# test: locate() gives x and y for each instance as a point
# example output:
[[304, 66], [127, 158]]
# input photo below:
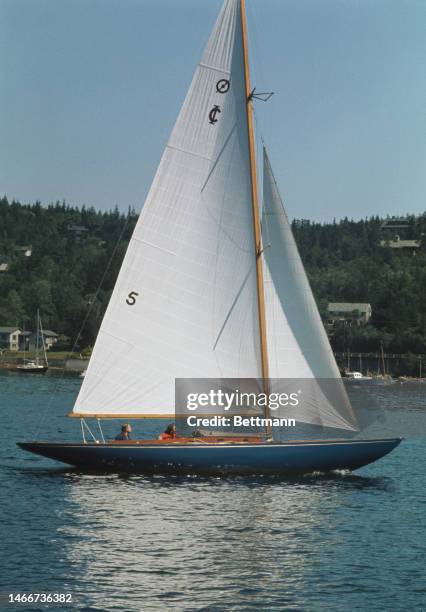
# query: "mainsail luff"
[[256, 213]]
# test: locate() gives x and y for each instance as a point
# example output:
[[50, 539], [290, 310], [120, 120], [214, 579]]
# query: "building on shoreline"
[[14, 339], [348, 313], [50, 338], [10, 338]]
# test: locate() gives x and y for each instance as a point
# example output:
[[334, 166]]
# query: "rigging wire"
[[259, 73], [84, 424]]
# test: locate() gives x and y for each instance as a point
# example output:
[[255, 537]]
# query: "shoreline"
[[79, 367]]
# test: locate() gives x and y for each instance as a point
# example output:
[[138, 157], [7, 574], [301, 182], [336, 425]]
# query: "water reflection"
[[198, 538]]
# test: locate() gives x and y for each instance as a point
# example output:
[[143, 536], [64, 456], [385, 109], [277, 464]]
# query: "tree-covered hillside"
[[76, 254], [346, 263]]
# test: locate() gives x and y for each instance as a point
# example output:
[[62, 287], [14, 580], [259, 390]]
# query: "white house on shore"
[[14, 339], [9, 338]]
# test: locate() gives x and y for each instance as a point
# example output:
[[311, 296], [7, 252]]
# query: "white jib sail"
[[298, 347], [185, 301]]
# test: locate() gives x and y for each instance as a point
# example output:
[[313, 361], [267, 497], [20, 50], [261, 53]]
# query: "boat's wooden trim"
[[256, 212], [201, 440], [169, 416], [101, 415]]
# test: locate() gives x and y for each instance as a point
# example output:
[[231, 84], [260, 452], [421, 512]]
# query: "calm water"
[[341, 542]]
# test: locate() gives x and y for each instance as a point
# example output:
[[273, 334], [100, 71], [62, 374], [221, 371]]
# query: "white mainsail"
[[298, 347], [185, 301], [185, 304]]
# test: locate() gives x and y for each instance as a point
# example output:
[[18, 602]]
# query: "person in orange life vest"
[[169, 433]]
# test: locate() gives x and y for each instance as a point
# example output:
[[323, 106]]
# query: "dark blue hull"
[[215, 459]]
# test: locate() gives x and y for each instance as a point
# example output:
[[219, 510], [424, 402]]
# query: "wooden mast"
[[256, 214]]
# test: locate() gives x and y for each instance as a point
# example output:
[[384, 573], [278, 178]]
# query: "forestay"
[[185, 302], [298, 347]]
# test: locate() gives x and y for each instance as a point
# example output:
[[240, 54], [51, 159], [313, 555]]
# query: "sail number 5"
[[131, 298]]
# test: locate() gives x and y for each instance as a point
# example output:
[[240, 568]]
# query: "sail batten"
[[215, 68], [170, 146]]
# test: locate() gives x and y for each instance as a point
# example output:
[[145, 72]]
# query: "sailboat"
[[211, 286], [354, 375], [35, 366]]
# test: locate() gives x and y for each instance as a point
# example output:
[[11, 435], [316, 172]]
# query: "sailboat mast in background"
[[40, 336], [33, 367]]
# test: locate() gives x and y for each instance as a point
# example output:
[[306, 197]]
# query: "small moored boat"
[[35, 366], [356, 377], [31, 367]]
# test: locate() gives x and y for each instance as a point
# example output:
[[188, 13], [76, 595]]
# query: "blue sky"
[[90, 89]]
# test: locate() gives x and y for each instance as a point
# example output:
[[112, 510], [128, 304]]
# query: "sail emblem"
[[222, 86], [212, 114]]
